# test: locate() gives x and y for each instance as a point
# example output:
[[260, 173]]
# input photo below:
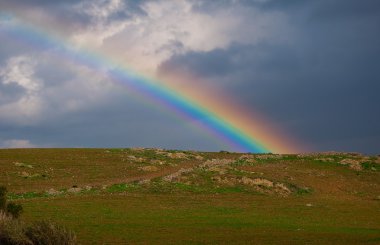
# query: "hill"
[[139, 195]]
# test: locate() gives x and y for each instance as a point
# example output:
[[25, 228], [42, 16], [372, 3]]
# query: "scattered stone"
[[268, 157], [74, 190], [198, 157], [24, 174], [135, 159], [248, 158], [144, 182], [149, 168], [23, 165], [216, 162], [131, 157], [157, 162], [225, 181], [257, 181], [53, 192], [88, 188], [177, 155], [352, 163], [174, 176], [281, 188], [28, 175]]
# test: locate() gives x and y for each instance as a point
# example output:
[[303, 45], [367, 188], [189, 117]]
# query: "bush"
[[12, 231], [3, 197], [14, 209], [9, 208], [46, 233]]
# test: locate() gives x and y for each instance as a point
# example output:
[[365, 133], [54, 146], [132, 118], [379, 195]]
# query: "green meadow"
[[156, 196]]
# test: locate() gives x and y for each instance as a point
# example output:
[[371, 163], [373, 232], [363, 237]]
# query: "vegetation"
[[139, 196], [15, 232]]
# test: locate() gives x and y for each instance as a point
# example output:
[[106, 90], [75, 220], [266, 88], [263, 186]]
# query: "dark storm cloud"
[[322, 85], [122, 122]]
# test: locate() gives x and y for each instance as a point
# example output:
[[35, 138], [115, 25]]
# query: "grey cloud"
[[10, 93], [322, 86]]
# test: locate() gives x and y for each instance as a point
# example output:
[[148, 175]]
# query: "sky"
[[308, 69]]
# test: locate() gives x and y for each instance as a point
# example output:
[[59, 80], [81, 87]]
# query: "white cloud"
[[143, 41], [17, 143], [20, 70], [45, 95]]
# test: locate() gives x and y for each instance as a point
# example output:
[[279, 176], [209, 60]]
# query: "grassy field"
[[140, 196]]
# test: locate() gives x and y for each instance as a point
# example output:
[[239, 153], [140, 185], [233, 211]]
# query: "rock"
[[268, 156], [309, 205], [216, 162], [144, 181], [53, 192], [177, 155], [257, 181], [149, 168], [198, 157], [157, 162], [281, 188], [352, 163], [74, 190], [23, 165], [24, 174], [174, 176], [131, 157]]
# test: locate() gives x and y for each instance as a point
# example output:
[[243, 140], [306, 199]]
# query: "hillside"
[[166, 196]]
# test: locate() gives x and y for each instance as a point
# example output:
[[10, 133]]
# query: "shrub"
[[14, 209], [46, 232], [12, 231], [9, 208], [3, 197]]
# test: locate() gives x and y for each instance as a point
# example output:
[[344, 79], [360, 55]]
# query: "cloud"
[[17, 143], [320, 85], [40, 89], [19, 71], [310, 66]]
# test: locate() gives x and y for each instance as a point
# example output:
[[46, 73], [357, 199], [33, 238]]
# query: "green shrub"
[[14, 209], [46, 233]]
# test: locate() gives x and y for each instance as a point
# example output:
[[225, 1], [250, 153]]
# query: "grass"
[[199, 218], [329, 203]]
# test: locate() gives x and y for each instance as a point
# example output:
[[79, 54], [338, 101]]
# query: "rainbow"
[[225, 121]]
